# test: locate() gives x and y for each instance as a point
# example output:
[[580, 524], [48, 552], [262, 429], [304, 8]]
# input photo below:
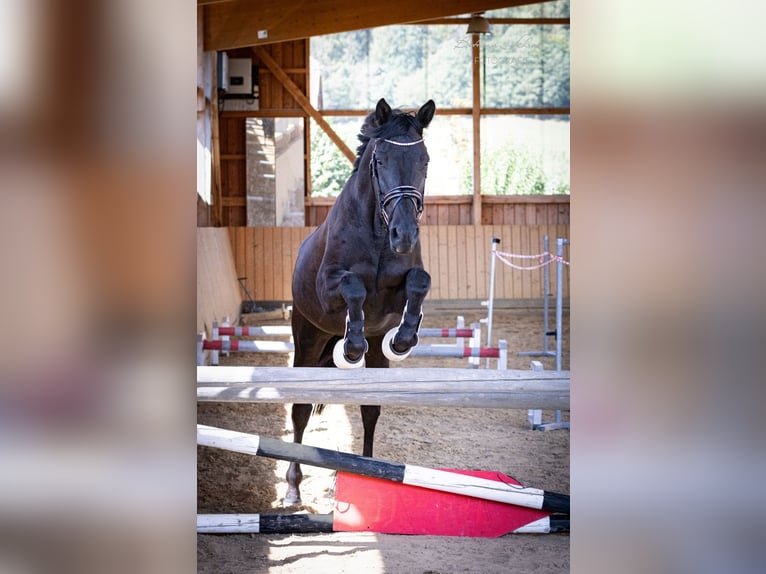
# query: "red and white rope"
[[545, 258]]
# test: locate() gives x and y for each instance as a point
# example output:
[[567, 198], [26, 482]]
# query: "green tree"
[[329, 167]]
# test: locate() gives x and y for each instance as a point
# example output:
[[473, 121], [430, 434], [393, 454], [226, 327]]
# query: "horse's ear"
[[382, 112], [426, 113]]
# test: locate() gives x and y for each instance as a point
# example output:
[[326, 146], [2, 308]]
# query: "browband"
[[404, 143]]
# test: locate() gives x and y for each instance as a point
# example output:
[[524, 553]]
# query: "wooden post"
[[476, 116]]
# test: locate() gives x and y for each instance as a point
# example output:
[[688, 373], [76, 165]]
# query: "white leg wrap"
[[388, 349], [340, 360]]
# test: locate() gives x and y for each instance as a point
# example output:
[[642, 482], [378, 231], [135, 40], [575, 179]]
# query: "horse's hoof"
[[340, 360], [388, 347], [292, 498]]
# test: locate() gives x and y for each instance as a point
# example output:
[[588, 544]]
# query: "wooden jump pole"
[[429, 478], [514, 389]]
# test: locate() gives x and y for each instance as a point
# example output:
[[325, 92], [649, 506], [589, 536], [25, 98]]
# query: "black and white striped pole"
[[433, 479], [313, 523]]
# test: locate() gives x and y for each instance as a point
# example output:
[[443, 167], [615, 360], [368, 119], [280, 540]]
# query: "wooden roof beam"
[[243, 23], [302, 100]]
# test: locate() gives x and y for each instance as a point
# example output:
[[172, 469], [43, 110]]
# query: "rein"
[[395, 194]]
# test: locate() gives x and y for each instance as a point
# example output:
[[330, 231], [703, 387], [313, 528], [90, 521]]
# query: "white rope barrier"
[[544, 258]]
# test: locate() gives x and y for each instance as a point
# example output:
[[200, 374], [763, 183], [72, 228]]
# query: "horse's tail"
[[317, 410]]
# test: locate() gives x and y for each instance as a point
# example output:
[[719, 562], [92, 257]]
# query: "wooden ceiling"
[[230, 24]]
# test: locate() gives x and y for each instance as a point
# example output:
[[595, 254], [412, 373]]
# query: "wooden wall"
[[233, 181], [456, 210], [456, 256], [266, 257], [218, 292]]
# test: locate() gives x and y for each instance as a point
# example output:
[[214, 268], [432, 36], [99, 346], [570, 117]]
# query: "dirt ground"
[[485, 439]]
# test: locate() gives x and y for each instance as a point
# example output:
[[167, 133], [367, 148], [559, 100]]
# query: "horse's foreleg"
[[300, 415], [349, 351], [398, 343]]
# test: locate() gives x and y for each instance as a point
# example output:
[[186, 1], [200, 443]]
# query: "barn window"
[[524, 155], [524, 99]]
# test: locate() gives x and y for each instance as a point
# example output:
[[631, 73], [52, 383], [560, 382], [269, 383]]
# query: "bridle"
[[395, 194]]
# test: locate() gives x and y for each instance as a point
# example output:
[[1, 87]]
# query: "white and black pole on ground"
[[433, 479], [313, 523]]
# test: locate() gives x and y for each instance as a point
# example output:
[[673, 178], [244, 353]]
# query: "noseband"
[[395, 194]]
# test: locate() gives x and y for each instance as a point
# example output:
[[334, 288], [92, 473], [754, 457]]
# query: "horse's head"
[[398, 167]]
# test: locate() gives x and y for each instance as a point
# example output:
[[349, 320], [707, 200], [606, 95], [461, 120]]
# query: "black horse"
[[359, 282]]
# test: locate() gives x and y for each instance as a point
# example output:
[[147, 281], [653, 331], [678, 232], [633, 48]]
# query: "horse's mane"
[[398, 125]]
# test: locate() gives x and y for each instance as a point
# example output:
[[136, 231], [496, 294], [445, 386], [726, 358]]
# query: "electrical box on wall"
[[240, 77], [237, 84]]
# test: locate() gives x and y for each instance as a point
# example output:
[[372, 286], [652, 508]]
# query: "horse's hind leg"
[[370, 414], [398, 342], [300, 415], [309, 352]]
